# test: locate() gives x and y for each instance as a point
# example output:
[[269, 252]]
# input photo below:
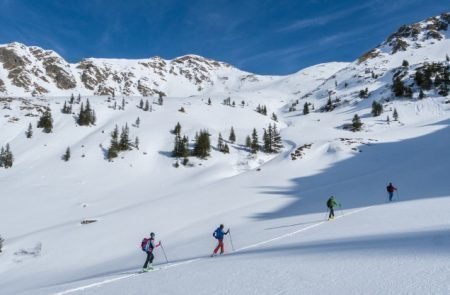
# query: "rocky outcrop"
[[432, 28]]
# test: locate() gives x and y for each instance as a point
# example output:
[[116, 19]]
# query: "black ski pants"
[[331, 212], [149, 259]]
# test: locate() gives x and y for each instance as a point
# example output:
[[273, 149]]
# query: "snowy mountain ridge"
[[33, 71]]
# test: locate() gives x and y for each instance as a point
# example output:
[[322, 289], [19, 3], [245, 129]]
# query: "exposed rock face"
[[433, 28], [35, 71]]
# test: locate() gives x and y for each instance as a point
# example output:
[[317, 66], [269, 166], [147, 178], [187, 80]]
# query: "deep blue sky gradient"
[[261, 36]]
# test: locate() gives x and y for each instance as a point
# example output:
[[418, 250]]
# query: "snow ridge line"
[[199, 259]]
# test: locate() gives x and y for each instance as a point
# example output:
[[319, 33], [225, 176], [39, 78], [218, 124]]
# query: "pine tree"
[[177, 129], [447, 58], [138, 122], [6, 157], [124, 142], [306, 109], [93, 117], [46, 121], [232, 137], [29, 132], [66, 156], [421, 94], [209, 101], [220, 144], [405, 63], [377, 109], [160, 100], [329, 106], [81, 116], [115, 105], [248, 141], [141, 104], [267, 139], [136, 142], [274, 117], [400, 89], [254, 146], [395, 115], [67, 109], [79, 98], [356, 123], [277, 142], [388, 120], [146, 107], [72, 99], [202, 144], [113, 150], [123, 104], [226, 149]]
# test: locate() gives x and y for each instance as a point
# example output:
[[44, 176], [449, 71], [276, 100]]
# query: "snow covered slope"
[[273, 203]]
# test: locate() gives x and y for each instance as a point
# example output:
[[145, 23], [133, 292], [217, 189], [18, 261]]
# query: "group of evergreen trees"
[[202, 145], [434, 74], [399, 88], [222, 146], [120, 142], [364, 93], [146, 107], [87, 115], [46, 121], [377, 108], [6, 157], [67, 108], [262, 109], [306, 108], [272, 142]]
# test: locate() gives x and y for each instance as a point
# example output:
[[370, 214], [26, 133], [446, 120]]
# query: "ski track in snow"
[[104, 282]]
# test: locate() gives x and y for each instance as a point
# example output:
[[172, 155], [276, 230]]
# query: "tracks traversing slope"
[[173, 265]]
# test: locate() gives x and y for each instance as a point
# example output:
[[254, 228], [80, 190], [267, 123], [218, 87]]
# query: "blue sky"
[[261, 36]]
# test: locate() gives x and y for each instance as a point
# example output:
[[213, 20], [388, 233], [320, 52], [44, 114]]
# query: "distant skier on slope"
[[148, 245], [390, 189], [331, 203], [219, 234]]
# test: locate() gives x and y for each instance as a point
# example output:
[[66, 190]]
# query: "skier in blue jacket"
[[219, 233]]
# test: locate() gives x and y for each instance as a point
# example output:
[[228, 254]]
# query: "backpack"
[[330, 203], [144, 244]]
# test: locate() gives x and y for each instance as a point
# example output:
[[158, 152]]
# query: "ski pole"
[[326, 214], [231, 240], [164, 252]]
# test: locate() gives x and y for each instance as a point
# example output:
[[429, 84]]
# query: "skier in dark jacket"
[[391, 189], [219, 234], [331, 203], [148, 245]]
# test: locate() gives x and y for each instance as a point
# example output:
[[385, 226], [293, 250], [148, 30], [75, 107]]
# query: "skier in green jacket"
[[331, 203]]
